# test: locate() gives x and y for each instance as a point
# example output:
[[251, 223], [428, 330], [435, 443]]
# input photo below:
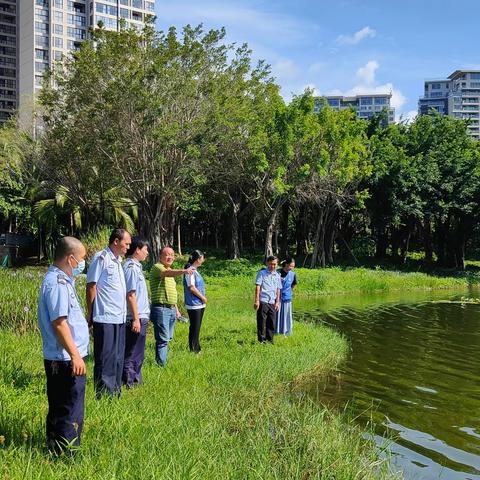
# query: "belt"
[[166, 305]]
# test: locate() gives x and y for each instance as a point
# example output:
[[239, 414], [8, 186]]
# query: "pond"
[[413, 376]]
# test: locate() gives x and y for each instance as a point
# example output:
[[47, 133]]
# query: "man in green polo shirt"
[[164, 311]]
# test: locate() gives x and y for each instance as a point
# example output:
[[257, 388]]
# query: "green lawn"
[[238, 410]]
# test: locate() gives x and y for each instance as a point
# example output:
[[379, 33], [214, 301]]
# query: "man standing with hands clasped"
[[64, 332], [267, 299], [107, 308]]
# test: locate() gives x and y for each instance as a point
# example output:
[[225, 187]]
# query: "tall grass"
[[227, 279], [236, 411]]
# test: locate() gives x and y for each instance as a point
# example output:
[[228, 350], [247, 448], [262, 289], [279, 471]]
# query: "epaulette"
[[61, 279], [131, 265], [103, 255]]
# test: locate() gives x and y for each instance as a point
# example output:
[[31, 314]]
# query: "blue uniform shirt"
[[192, 302], [288, 281], [269, 283], [135, 282], [110, 305], [58, 298]]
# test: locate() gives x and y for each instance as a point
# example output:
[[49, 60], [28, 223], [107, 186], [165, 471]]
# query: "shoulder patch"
[[61, 279]]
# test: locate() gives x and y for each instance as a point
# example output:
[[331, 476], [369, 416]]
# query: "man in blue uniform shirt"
[[267, 299], [107, 309], [64, 332]]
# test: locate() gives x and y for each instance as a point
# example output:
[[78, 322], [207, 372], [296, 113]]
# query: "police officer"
[[107, 308], [64, 333], [138, 312]]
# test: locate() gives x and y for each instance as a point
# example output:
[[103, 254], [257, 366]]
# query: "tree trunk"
[[179, 238], [381, 243], [272, 221], [318, 257], [284, 230], [234, 244], [155, 224], [301, 232], [428, 240]]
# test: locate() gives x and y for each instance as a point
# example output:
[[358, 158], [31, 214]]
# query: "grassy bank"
[[233, 279], [238, 410]]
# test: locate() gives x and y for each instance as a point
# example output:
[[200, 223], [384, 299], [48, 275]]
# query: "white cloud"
[[366, 74], [409, 117], [357, 37], [285, 69], [397, 100], [243, 22], [367, 85], [311, 86], [316, 67]]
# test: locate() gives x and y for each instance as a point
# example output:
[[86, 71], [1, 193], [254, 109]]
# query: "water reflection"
[[414, 371]]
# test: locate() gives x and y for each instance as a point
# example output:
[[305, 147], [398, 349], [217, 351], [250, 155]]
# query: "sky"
[[345, 46]]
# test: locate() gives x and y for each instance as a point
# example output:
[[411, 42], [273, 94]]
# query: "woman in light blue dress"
[[289, 280]]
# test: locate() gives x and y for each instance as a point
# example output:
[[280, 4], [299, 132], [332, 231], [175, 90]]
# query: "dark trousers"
[[134, 353], [195, 317], [66, 405], [109, 352], [266, 320]]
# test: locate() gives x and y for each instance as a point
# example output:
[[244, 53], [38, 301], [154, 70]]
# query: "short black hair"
[[117, 234], [137, 242], [66, 246], [271, 258]]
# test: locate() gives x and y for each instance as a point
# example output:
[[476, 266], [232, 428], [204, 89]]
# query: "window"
[[9, 29], [436, 86], [77, 33], [474, 84], [57, 55], [366, 101], [41, 54], [150, 6], [41, 41], [381, 101], [107, 22], [107, 9], [58, 16], [137, 16], [137, 3], [40, 67], [123, 2], [59, 3], [38, 81], [41, 27], [58, 29], [41, 14], [475, 76], [124, 13], [76, 20], [57, 42]]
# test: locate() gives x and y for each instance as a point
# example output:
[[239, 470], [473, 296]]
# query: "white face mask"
[[79, 268]]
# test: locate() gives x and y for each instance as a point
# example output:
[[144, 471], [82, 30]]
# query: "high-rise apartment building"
[[36, 33], [365, 105], [8, 58], [458, 96]]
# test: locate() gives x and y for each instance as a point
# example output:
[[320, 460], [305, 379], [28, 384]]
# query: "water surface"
[[413, 374]]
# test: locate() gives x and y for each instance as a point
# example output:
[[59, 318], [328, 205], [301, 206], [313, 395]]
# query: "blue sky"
[[345, 46]]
